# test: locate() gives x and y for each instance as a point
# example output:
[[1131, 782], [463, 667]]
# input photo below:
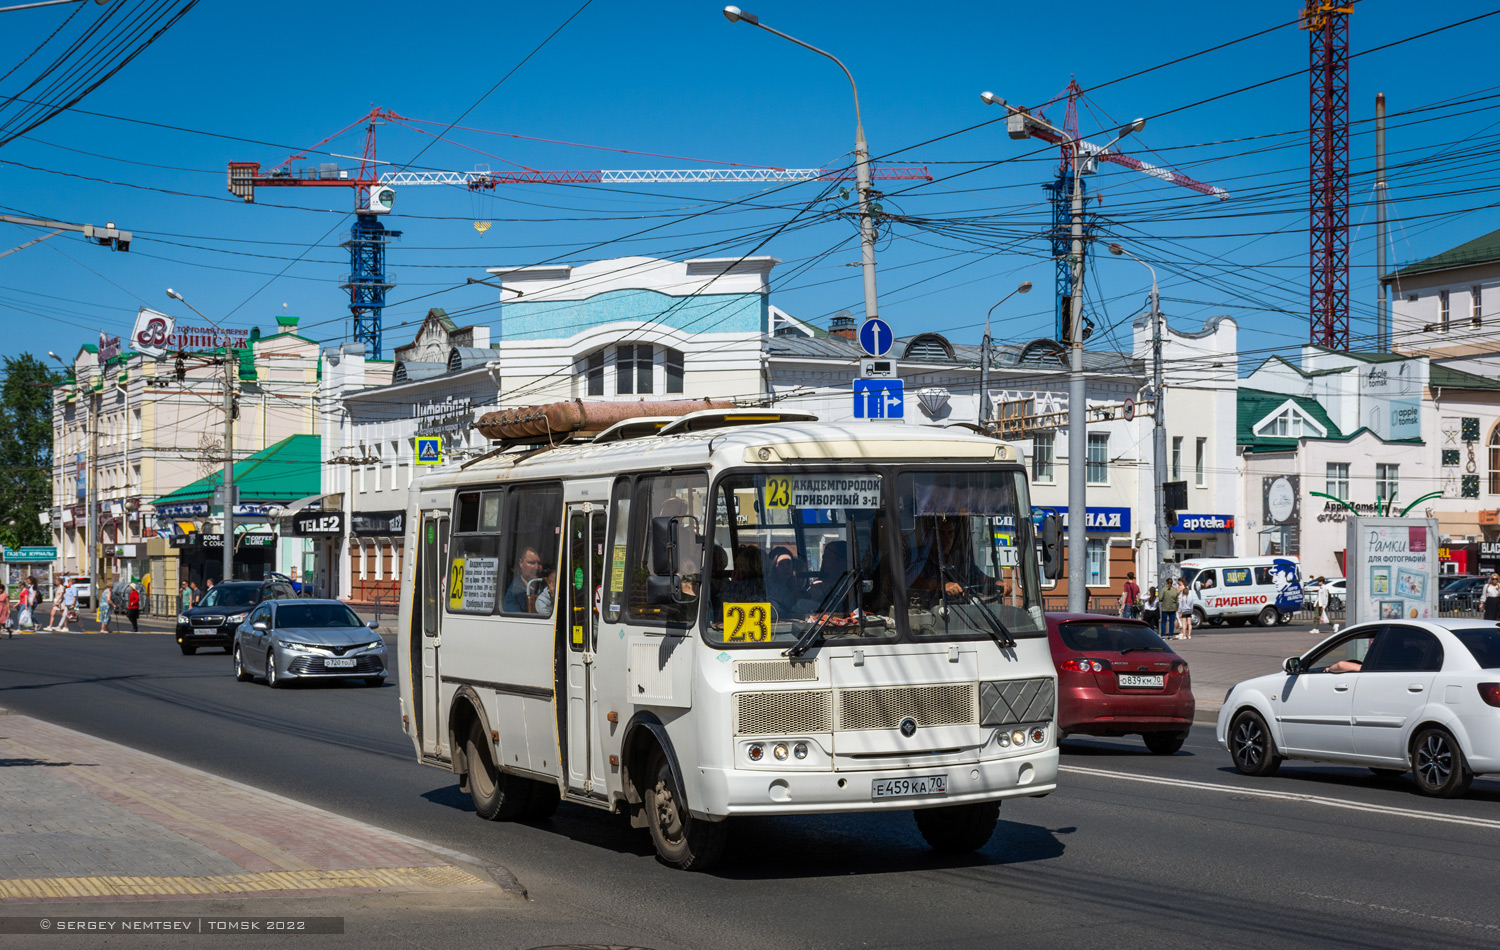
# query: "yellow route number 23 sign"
[[747, 623]]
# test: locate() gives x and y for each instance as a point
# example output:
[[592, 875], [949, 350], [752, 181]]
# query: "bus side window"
[[618, 554], [473, 560], [532, 548], [683, 497]]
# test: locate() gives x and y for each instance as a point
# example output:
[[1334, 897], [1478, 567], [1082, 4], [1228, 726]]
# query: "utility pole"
[[96, 583], [1382, 305], [229, 499], [1159, 438]]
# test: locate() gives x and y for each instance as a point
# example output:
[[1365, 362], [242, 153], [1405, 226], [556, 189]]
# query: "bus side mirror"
[[664, 546], [1052, 556]]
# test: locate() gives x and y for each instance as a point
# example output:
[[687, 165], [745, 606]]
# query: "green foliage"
[[25, 450]]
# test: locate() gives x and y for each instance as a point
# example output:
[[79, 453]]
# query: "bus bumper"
[[730, 792]]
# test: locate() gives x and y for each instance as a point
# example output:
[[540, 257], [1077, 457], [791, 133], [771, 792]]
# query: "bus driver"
[[524, 584]]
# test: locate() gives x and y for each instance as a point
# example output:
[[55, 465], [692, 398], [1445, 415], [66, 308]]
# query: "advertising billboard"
[[1390, 398], [1392, 568]]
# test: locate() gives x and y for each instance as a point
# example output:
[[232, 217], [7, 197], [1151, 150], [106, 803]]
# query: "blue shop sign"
[[1203, 524], [30, 554], [1097, 519]]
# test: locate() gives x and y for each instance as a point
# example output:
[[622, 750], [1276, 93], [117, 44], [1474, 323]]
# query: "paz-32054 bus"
[[733, 613]]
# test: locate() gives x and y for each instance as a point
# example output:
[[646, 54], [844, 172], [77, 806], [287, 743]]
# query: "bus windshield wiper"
[[814, 631], [997, 630]]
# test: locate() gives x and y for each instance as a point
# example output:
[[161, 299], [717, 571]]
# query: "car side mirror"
[[373, 625], [260, 625], [1293, 665], [664, 546]]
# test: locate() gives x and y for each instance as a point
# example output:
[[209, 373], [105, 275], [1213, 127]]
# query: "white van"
[[1237, 589]]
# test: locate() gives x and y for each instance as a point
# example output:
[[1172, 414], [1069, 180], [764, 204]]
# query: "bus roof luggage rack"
[[723, 418], [561, 421]]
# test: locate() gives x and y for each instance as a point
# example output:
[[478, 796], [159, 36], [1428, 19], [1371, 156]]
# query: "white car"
[[1422, 696], [1337, 591]]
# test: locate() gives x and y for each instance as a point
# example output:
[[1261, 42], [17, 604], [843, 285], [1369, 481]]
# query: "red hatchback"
[[1118, 678]]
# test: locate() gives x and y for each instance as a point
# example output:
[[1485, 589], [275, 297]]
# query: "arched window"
[[930, 348], [1495, 460], [632, 369]]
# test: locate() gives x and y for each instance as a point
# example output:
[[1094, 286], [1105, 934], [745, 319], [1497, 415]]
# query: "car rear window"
[[316, 615], [1110, 637], [1483, 643]]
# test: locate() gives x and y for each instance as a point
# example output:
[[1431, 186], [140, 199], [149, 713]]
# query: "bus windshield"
[[824, 550]]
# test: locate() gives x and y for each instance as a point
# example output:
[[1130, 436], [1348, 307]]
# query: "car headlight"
[[238, 618], [295, 647], [183, 619], [372, 646]]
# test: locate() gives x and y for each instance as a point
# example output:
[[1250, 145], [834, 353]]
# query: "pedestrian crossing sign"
[[429, 450]]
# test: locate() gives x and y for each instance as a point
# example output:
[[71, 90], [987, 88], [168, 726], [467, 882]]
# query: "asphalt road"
[[1134, 850]]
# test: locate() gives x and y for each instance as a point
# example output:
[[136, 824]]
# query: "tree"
[[25, 450]]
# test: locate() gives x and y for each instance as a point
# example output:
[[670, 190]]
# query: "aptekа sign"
[[1203, 524]]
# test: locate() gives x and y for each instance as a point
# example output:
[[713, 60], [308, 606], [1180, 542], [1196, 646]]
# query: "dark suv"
[[223, 608]]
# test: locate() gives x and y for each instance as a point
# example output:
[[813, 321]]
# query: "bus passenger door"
[[580, 628], [432, 576]]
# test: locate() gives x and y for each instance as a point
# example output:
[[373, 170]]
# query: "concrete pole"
[[1382, 311], [228, 563], [92, 497], [1159, 441], [1078, 440]]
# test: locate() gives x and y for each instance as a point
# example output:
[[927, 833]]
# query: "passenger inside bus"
[[783, 587], [527, 584]]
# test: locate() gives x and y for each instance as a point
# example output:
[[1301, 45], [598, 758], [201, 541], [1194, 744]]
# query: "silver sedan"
[[284, 640]]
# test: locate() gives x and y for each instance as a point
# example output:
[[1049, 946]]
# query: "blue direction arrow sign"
[[876, 337], [429, 450], [879, 399]]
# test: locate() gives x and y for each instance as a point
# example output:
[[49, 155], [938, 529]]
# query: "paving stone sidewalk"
[[1220, 657], [82, 819]]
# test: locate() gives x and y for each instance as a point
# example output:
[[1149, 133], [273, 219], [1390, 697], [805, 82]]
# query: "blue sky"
[[676, 78]]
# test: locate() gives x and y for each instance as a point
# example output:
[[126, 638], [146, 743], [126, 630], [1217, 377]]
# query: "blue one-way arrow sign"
[[876, 337]]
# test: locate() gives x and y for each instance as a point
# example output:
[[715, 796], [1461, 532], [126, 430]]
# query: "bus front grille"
[[775, 671], [947, 704], [783, 712]]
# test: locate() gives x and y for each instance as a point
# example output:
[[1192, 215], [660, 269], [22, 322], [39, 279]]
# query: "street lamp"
[[227, 564], [1020, 124], [861, 157], [984, 354], [1159, 421]]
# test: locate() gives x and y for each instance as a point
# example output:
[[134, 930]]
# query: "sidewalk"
[[84, 820], [1220, 657]]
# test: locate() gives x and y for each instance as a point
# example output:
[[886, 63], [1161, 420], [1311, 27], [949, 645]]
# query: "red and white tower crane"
[[1327, 26], [375, 194]]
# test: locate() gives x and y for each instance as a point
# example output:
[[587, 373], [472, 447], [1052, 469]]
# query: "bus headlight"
[[1038, 734], [780, 752], [800, 750], [757, 752], [1018, 737]]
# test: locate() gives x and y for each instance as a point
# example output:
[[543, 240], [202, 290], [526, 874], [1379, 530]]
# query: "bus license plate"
[[906, 787], [1130, 679], [339, 664]]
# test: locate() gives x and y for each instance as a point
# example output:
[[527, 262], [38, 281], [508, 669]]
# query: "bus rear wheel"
[[681, 840], [496, 796], [957, 829]]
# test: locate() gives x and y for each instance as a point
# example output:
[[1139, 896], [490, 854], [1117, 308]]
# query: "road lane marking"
[[1287, 797], [1398, 910]]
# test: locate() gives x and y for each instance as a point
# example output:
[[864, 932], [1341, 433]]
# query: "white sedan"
[[1393, 696]]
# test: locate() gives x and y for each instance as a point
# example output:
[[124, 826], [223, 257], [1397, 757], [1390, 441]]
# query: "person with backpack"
[[133, 607], [1130, 597]]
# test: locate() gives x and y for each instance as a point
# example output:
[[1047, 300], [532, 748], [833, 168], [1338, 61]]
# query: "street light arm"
[[184, 301], [755, 21]]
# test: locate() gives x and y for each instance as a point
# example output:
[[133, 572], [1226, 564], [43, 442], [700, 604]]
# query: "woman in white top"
[[1186, 599], [1492, 598]]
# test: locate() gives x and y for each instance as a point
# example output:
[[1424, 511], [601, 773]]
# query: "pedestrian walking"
[[197, 596], [5, 606], [1151, 609], [70, 608], [1492, 598], [1320, 604], [117, 603], [1168, 604], [1186, 601], [105, 597], [57, 605], [133, 607], [184, 598], [1130, 597], [31, 597]]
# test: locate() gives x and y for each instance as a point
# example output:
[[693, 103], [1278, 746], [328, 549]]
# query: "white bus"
[[737, 613]]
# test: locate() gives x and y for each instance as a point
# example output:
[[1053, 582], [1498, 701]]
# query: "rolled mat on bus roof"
[[563, 418]]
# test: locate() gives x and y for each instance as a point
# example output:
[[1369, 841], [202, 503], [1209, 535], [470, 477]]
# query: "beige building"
[[160, 426]]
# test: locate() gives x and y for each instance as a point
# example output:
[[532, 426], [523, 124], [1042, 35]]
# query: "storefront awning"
[[292, 468]]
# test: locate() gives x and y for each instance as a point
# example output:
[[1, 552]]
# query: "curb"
[[499, 875]]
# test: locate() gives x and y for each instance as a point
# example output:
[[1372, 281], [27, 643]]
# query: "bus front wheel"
[[681, 840], [958, 828], [497, 796]]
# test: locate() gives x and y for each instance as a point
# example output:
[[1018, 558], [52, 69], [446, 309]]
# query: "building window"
[[1098, 562], [1043, 449], [1475, 310], [1288, 424], [1199, 461], [633, 369], [1495, 461], [674, 366], [1098, 464], [1386, 479], [1337, 483], [1444, 315], [594, 374], [1176, 457]]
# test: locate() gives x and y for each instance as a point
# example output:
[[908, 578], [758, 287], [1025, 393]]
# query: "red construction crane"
[[375, 195], [1327, 26]]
